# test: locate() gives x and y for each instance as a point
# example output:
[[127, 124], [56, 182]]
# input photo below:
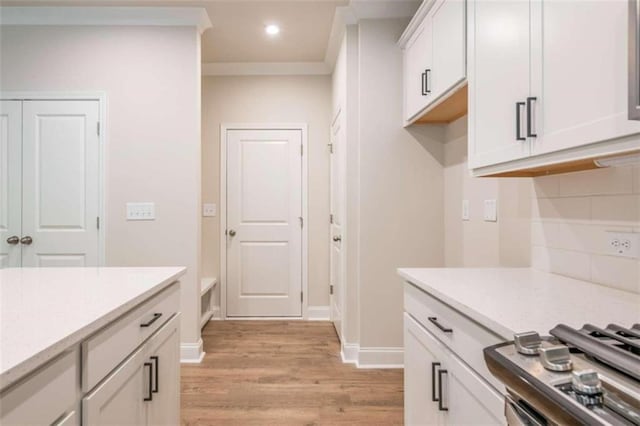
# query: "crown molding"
[[357, 10], [265, 68], [415, 22], [125, 16]]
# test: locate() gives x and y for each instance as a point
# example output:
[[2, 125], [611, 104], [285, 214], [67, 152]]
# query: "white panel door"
[[10, 183], [264, 232], [498, 80], [337, 200], [579, 73], [60, 203]]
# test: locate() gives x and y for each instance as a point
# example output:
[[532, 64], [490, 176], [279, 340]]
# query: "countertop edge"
[[18, 371], [465, 310]]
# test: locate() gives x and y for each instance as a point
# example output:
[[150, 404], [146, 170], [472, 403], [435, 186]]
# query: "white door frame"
[[224, 128], [101, 97]]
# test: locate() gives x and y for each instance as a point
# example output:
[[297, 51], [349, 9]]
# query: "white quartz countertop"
[[510, 300], [45, 311]]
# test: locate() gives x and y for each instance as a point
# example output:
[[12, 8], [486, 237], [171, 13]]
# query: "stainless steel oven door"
[[634, 60], [519, 415]]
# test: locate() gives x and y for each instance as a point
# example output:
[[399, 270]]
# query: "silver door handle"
[[232, 233], [337, 238], [13, 240], [26, 240]]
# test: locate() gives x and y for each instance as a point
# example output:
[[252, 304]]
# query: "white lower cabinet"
[[144, 389], [440, 388]]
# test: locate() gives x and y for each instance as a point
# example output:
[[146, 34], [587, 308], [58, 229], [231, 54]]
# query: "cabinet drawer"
[[44, 397], [102, 352], [463, 336]]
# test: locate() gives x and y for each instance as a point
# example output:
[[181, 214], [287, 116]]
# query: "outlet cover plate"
[[624, 244], [208, 210], [490, 211], [465, 209]]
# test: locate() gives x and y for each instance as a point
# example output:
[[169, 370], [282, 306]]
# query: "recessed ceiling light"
[[272, 29]]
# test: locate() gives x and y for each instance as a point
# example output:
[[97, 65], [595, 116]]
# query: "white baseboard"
[[318, 313], [191, 353], [352, 353], [216, 314]]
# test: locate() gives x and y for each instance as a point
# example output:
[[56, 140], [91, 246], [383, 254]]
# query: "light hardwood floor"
[[284, 373]]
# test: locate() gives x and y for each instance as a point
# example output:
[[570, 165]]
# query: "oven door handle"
[[517, 415]]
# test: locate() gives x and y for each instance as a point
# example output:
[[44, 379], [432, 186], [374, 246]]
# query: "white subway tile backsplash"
[[612, 180], [571, 215], [618, 209], [616, 272]]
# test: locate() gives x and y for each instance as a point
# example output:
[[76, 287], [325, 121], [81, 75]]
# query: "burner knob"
[[586, 382], [527, 343], [556, 358]]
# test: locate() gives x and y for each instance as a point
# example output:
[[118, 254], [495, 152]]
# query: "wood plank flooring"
[[284, 373]]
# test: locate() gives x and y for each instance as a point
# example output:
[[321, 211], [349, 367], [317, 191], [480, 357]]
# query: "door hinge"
[[98, 222], [98, 128], [330, 148], [330, 218], [301, 299], [330, 289], [301, 222]]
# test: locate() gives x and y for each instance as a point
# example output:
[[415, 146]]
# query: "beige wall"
[[571, 214], [151, 79], [271, 99], [476, 243], [401, 186]]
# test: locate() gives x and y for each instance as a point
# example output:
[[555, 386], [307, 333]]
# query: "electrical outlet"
[[624, 244], [465, 209], [141, 211], [208, 210]]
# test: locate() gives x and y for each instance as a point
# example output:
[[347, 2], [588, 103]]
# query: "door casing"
[[224, 128], [101, 98]]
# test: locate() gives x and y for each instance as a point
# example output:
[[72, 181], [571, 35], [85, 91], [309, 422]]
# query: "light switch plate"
[[624, 244], [208, 210], [465, 209], [141, 211], [490, 211]]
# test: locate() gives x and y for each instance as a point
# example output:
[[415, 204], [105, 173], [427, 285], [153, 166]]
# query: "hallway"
[[284, 372]]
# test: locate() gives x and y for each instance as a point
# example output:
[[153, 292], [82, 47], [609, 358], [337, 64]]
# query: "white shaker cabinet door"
[[449, 45], [421, 364], [164, 354], [498, 67], [418, 70], [123, 397], [579, 73]]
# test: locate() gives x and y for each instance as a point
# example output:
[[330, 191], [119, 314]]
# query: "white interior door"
[[60, 183], [10, 183], [337, 222], [264, 223]]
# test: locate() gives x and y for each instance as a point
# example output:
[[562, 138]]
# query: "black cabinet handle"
[[434, 366], [427, 74], [149, 397], [156, 316], [518, 106], [156, 360], [423, 76], [441, 406], [530, 100], [442, 328]]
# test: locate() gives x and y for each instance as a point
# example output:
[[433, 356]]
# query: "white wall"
[[151, 77], [271, 99], [476, 243]]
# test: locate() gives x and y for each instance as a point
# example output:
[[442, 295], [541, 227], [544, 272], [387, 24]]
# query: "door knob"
[[232, 233], [337, 238], [13, 240], [26, 240]]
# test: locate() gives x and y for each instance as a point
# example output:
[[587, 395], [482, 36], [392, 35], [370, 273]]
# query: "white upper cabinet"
[[579, 73], [547, 85], [498, 80], [434, 54]]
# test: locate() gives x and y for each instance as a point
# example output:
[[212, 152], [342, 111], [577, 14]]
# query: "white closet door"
[[10, 182], [264, 205], [60, 183]]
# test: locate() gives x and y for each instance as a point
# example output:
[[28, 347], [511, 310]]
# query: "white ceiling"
[[238, 26]]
